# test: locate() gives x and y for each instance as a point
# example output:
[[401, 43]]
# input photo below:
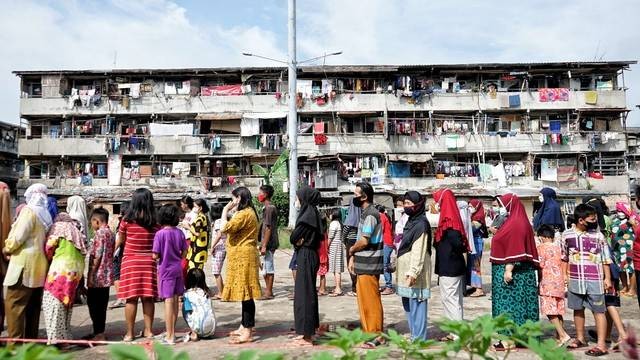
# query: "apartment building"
[[10, 167], [478, 128]]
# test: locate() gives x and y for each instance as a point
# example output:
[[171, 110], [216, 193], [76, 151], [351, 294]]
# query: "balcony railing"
[[354, 102]]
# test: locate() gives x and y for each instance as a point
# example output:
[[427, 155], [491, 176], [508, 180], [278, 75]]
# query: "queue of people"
[[539, 265]]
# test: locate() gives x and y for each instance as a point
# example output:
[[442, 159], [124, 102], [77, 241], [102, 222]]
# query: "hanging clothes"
[[249, 127]]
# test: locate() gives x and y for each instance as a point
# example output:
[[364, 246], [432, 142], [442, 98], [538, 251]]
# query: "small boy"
[[585, 257], [100, 276]]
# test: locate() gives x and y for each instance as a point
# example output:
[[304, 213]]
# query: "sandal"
[[576, 344], [150, 337], [596, 352], [352, 294], [565, 342], [447, 338], [336, 294], [500, 346], [322, 293], [372, 344], [240, 340], [477, 293], [127, 339], [166, 341]]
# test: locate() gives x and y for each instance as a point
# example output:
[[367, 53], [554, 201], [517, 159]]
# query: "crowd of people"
[[539, 265]]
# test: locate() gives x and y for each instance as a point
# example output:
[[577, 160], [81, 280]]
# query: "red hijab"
[[514, 241], [449, 215], [479, 214]]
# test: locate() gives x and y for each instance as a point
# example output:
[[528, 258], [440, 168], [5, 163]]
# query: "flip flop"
[[141, 335], [352, 294], [500, 346], [371, 344], [334, 294], [127, 339], [322, 293], [596, 352], [576, 344]]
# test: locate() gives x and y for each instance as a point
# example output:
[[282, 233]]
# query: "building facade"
[[478, 128]]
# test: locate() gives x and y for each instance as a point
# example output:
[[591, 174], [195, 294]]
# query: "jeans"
[[388, 250], [416, 312]]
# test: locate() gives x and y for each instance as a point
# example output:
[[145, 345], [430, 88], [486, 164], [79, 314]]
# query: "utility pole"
[[292, 120]]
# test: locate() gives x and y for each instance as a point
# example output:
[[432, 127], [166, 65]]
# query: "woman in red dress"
[[138, 278]]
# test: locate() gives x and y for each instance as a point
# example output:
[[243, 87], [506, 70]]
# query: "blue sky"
[[75, 34]]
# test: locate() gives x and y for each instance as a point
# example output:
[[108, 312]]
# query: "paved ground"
[[275, 318]]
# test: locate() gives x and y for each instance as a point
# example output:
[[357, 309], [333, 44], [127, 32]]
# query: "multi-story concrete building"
[[10, 167], [479, 128]]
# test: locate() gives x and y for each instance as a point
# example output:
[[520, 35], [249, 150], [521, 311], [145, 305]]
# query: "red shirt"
[[387, 235]]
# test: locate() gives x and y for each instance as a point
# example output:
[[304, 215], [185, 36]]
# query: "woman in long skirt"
[[306, 238]]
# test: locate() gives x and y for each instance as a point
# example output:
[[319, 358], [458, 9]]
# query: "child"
[[586, 257], [100, 276], [169, 248], [117, 258], [551, 283], [218, 250], [196, 307]]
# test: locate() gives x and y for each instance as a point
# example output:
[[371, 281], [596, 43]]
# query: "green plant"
[[475, 337], [548, 349], [136, 352], [411, 349], [523, 333], [254, 355], [346, 341], [32, 352], [275, 176]]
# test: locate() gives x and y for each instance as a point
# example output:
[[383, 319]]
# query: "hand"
[[231, 205], [508, 277], [300, 242], [493, 229], [410, 280], [90, 282], [263, 251], [607, 283], [566, 280], [352, 266], [633, 221]]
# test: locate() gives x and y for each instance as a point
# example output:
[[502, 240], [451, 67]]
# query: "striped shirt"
[[369, 261], [586, 254]]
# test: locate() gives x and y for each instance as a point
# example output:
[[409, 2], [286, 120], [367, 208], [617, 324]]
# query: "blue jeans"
[[388, 250], [416, 312]]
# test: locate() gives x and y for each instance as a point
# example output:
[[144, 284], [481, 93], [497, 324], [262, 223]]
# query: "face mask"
[[540, 198], [496, 209], [437, 207], [297, 205], [262, 197], [502, 211], [591, 225], [357, 201], [621, 215], [410, 210], [472, 209]]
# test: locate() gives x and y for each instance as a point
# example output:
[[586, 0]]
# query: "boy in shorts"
[[586, 259]]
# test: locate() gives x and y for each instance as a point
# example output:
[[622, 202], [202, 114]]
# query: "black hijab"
[[416, 225], [597, 204], [309, 214]]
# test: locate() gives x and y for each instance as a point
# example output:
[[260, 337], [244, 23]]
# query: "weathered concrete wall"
[[177, 104]]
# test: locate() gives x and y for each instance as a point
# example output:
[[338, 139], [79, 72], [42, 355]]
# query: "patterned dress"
[[622, 238], [519, 298], [552, 287], [241, 281], [199, 244]]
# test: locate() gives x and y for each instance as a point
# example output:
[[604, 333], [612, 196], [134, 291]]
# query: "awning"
[[219, 116], [409, 157], [265, 115]]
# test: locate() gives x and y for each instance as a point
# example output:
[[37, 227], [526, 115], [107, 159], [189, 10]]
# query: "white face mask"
[[472, 209], [297, 204], [540, 198], [621, 215]]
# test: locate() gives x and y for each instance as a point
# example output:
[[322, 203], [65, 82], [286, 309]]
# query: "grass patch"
[[284, 233]]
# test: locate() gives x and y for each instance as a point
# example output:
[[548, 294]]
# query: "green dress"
[[519, 298]]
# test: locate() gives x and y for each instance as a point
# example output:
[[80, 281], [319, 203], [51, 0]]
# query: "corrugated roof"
[[623, 64]]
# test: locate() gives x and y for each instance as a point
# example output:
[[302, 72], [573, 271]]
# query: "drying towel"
[[318, 128], [514, 101], [591, 97]]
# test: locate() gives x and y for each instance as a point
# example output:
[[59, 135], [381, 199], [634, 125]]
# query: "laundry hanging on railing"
[[455, 141], [269, 141], [249, 127], [555, 94]]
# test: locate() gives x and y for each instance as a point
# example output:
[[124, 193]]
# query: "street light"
[[292, 120]]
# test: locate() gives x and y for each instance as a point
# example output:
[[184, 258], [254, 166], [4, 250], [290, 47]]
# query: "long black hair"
[[246, 200], [202, 203], [196, 279], [141, 211], [216, 211]]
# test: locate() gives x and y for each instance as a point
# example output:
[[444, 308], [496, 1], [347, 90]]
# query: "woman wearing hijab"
[[5, 227], [478, 220], [66, 249], [77, 209], [549, 213], [451, 246], [514, 264], [52, 206], [306, 238], [349, 237], [413, 280], [28, 265]]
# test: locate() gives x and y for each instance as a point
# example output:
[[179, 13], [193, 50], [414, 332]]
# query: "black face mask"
[[591, 226], [410, 210], [357, 201]]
